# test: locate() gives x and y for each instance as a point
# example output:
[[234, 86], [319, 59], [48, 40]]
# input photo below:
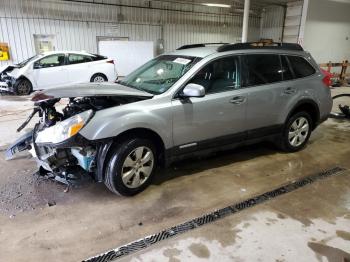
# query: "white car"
[[53, 69]]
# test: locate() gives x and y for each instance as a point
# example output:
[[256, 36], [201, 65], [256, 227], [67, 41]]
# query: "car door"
[[216, 119], [262, 76], [50, 71], [78, 67]]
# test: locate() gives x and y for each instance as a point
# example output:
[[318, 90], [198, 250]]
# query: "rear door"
[[263, 75], [216, 119], [50, 71]]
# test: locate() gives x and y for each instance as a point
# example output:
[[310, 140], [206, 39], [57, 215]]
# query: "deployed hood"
[[88, 90]]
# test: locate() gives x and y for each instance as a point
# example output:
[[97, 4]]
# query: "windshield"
[[159, 74], [23, 63]]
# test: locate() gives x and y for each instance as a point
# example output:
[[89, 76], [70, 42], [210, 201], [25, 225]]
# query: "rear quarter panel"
[[103, 67]]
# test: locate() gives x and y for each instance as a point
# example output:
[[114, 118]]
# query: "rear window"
[[300, 66], [98, 57], [260, 69], [78, 59]]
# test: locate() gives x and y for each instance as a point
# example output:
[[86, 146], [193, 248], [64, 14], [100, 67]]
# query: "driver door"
[[50, 71], [218, 118]]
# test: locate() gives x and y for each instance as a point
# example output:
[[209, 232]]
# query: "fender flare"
[[303, 102]]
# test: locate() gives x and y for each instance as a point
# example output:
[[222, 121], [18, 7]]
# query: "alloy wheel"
[[298, 131], [137, 167], [99, 79], [23, 88]]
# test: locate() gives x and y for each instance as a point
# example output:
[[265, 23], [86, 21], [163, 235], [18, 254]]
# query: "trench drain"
[[141, 244]]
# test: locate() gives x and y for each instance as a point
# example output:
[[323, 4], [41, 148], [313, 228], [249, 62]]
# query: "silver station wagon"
[[198, 99]]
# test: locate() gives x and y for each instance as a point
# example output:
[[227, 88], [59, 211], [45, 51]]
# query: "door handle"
[[289, 90], [237, 100]]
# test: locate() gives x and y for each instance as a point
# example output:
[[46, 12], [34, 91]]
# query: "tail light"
[[110, 61], [326, 78]]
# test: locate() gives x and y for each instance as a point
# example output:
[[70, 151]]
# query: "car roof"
[[67, 52], [205, 51], [197, 51]]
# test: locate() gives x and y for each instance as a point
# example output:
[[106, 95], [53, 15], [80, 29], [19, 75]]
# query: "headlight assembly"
[[65, 129]]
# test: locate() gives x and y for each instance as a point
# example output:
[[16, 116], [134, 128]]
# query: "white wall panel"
[[76, 26]]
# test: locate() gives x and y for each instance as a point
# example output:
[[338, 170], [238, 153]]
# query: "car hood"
[[88, 90]]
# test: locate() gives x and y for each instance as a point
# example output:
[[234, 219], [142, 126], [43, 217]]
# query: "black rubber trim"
[[141, 244]]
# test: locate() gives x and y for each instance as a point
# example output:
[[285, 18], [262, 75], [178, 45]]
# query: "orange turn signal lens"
[[74, 129]]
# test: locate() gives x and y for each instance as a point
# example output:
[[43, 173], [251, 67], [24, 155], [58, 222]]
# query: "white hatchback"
[[53, 69]]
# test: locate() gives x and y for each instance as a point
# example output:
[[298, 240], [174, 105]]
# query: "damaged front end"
[[60, 151], [7, 81]]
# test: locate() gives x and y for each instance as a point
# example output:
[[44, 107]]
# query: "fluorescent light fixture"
[[216, 5]]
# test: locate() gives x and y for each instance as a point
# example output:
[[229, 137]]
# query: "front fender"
[[110, 123]]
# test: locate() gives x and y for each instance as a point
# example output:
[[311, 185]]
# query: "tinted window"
[[51, 61], [261, 69], [77, 59], [286, 69], [300, 66], [98, 57], [219, 76]]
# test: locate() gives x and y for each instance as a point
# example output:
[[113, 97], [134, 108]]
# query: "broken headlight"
[[65, 129]]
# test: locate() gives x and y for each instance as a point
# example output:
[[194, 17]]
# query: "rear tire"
[[23, 87], [131, 167], [98, 78], [296, 132]]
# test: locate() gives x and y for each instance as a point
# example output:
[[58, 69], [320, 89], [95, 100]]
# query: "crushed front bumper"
[[4, 87]]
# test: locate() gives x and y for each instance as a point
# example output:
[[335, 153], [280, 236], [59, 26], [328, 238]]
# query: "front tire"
[[296, 132], [131, 167], [23, 87]]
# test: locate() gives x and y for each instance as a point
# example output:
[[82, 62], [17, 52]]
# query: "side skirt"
[[207, 147]]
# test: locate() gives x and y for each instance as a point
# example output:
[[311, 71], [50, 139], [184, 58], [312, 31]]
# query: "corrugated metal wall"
[[76, 26]]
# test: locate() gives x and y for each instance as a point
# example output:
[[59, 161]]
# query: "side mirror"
[[37, 65], [192, 90]]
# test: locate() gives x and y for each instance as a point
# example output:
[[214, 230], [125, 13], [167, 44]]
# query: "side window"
[[260, 69], [77, 59], [219, 76], [286, 69], [50, 61], [300, 66]]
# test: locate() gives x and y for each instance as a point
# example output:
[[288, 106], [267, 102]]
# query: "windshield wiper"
[[137, 88]]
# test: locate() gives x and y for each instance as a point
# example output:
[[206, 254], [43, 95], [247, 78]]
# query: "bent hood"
[[7, 68], [89, 89]]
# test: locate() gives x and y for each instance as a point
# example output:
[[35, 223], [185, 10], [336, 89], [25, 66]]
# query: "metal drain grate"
[[208, 218]]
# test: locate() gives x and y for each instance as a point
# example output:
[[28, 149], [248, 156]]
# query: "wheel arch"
[[308, 106], [104, 150], [21, 77]]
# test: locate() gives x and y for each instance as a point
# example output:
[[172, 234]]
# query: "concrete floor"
[[40, 221]]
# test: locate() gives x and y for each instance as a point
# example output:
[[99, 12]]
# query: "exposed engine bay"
[[60, 151]]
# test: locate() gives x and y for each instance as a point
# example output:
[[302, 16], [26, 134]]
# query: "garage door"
[[128, 55]]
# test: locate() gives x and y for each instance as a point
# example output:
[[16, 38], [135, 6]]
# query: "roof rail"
[[260, 45], [199, 45]]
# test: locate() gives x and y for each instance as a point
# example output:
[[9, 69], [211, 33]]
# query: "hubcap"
[[99, 79], [137, 167], [298, 131]]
